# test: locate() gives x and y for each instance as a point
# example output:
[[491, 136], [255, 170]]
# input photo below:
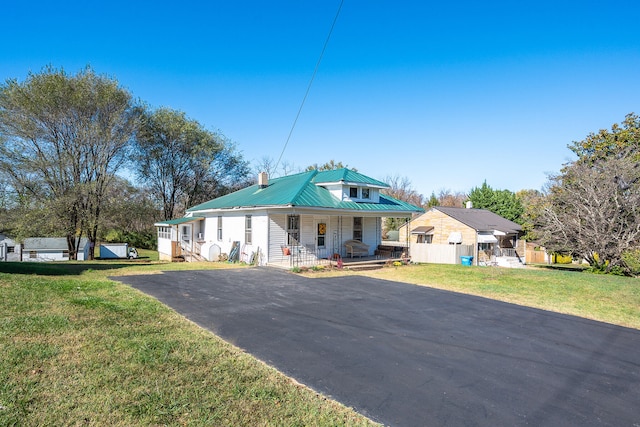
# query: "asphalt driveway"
[[406, 355]]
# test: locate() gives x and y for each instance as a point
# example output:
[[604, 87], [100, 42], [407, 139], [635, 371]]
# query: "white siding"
[[164, 249], [371, 233], [307, 230], [45, 255], [277, 238]]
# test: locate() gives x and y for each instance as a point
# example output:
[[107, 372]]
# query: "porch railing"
[[509, 252]]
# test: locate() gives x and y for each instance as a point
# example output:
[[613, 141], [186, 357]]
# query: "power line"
[[313, 76]]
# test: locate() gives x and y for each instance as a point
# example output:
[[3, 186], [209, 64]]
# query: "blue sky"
[[446, 94]]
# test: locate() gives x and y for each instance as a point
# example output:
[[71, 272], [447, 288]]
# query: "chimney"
[[263, 180], [469, 204]]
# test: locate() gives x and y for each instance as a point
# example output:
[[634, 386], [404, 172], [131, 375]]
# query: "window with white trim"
[[424, 238], [247, 229], [293, 229], [357, 228], [220, 228], [164, 232]]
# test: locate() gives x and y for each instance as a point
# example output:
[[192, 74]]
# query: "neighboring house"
[[443, 234], [292, 220], [9, 249], [51, 249]]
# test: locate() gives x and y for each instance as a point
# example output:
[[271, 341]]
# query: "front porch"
[[306, 256]]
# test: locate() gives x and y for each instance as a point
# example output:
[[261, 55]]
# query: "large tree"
[[501, 202], [593, 206], [622, 138], [64, 138], [184, 164]]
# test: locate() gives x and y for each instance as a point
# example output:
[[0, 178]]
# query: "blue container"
[[466, 260]]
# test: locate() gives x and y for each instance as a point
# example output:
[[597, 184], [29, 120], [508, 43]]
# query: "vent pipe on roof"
[[469, 204], [263, 180]]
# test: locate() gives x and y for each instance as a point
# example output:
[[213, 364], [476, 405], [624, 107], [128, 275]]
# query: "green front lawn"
[[79, 349], [607, 298]]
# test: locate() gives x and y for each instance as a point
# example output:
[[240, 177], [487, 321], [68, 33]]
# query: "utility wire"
[[313, 76]]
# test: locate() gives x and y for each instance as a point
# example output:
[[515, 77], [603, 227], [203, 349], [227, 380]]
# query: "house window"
[[357, 228], [164, 232], [293, 229], [322, 234], [425, 238], [365, 193], [353, 192], [11, 249], [220, 228], [33, 254], [247, 229]]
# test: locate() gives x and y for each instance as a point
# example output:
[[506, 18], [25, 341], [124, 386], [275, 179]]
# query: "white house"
[[9, 249], [292, 220]]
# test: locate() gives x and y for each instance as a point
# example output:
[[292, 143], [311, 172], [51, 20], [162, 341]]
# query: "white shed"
[[51, 249]]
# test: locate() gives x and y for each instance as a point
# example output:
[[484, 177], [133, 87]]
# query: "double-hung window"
[[357, 228], [293, 230], [247, 229]]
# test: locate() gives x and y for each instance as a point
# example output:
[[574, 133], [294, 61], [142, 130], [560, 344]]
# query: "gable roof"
[[480, 219], [347, 176], [304, 190]]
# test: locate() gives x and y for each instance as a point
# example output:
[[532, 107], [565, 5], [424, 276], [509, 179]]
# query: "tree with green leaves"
[[622, 138], [593, 205], [64, 138], [433, 201], [502, 202], [184, 164], [533, 202]]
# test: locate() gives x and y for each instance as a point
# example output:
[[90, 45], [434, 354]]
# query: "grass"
[[80, 349], [606, 298]]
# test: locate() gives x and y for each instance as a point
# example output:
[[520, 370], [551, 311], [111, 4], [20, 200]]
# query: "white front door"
[[185, 236]]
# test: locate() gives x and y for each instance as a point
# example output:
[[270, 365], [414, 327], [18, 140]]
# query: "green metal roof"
[[178, 221], [303, 190], [347, 176]]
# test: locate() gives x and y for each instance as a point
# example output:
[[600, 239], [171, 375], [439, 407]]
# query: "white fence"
[[439, 254]]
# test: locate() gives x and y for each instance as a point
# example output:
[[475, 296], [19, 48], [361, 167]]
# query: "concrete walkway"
[[406, 355]]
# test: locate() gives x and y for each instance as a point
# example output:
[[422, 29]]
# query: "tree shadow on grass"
[[63, 268], [561, 267]]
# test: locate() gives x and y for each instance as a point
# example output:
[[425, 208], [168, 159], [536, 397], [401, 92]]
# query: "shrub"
[[631, 259]]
